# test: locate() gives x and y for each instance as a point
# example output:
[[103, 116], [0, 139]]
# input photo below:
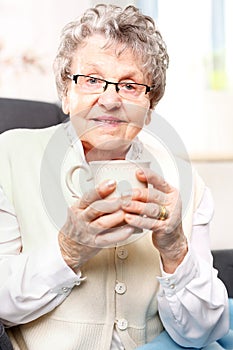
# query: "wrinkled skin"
[[91, 218], [106, 124]]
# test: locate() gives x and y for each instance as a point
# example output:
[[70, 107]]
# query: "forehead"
[[97, 55]]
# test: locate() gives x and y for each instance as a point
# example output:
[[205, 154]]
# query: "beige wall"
[[219, 178]]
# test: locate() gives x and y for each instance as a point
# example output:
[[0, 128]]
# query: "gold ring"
[[163, 213]]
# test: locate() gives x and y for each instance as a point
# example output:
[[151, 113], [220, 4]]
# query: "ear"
[[65, 104], [148, 117]]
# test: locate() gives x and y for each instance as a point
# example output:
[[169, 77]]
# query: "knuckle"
[[154, 210], [159, 226], [86, 199], [101, 223], [138, 220], [137, 194]]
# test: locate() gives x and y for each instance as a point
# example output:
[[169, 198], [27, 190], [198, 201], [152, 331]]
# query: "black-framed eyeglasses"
[[92, 85]]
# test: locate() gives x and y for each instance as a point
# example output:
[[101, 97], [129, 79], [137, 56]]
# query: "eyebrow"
[[130, 73]]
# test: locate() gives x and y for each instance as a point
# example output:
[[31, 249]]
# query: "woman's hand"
[[144, 209], [91, 225]]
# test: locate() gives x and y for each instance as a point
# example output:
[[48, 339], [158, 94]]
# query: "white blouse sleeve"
[[193, 301], [28, 294]]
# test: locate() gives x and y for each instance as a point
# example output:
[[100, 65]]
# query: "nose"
[[110, 99]]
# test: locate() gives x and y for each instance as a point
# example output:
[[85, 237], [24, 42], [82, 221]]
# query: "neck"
[[102, 154]]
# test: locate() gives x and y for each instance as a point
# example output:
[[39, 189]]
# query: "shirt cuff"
[[56, 274], [184, 274]]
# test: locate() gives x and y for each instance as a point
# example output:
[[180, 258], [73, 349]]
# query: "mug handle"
[[69, 175]]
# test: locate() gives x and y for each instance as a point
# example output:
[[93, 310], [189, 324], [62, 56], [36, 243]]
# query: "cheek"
[[138, 118], [80, 104], [132, 131], [137, 115]]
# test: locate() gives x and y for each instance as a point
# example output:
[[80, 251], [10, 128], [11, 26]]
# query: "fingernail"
[[108, 184], [126, 198], [128, 217], [111, 183]]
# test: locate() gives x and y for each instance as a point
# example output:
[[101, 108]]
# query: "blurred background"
[[198, 102]]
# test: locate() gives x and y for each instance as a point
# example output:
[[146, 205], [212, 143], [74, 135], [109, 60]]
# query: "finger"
[[146, 223], [108, 221], [100, 208], [114, 236], [149, 195], [102, 191], [101, 224], [158, 182], [149, 209]]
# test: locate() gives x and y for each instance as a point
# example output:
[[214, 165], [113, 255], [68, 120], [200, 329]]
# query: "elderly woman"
[[59, 287]]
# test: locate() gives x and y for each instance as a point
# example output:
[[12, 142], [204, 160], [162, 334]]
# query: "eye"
[[92, 80], [129, 86]]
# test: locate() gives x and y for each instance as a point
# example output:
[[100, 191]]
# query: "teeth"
[[108, 121], [111, 121]]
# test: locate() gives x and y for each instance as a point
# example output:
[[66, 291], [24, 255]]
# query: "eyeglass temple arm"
[[73, 77]]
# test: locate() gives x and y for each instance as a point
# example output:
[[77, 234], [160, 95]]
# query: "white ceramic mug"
[[122, 171]]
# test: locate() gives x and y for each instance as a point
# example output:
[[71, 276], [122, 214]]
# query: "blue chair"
[[165, 342]]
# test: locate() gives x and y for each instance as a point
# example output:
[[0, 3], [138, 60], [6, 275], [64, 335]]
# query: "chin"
[[114, 146]]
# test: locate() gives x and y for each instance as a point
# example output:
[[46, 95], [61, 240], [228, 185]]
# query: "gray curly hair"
[[128, 27]]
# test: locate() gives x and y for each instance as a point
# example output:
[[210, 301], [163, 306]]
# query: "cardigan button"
[[122, 253], [122, 324], [120, 288]]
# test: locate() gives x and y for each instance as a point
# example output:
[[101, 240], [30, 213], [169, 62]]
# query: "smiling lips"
[[108, 120]]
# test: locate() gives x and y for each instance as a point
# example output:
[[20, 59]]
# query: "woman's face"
[[105, 120]]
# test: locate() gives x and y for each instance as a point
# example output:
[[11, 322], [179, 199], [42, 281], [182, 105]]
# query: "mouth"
[[109, 120]]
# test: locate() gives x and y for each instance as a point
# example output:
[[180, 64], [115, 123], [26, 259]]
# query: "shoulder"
[[18, 139]]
